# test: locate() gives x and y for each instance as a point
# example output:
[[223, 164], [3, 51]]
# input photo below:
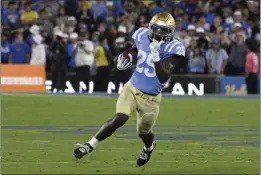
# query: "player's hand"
[[123, 63], [154, 49]]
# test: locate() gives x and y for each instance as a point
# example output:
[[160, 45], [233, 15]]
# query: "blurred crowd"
[[83, 36]]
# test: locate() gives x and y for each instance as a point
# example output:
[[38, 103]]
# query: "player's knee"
[[144, 128], [143, 132], [119, 120]]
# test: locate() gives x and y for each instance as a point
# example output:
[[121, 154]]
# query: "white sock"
[[150, 148], [93, 142]]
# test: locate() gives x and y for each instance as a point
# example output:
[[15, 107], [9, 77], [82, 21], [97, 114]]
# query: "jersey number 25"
[[149, 69]]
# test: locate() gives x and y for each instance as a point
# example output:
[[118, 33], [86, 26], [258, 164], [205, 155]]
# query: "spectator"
[[238, 54], [34, 30], [95, 39], [4, 7], [19, 30], [99, 8], [61, 18], [177, 12], [227, 11], [145, 11], [95, 42], [228, 24], [35, 5], [5, 49], [83, 31], [184, 37], [252, 67], [179, 25], [85, 3], [237, 27], [126, 25], [84, 58], [185, 20], [203, 40], [73, 40], [216, 28], [20, 51], [51, 9], [45, 23], [109, 15], [120, 42], [211, 14], [254, 7], [103, 65], [60, 60], [167, 4], [38, 55], [131, 9], [70, 25], [239, 19], [196, 60], [29, 16], [11, 16], [191, 30], [257, 39], [254, 23], [142, 21], [225, 41], [203, 23], [100, 27], [189, 6], [216, 58], [155, 7], [71, 7], [85, 16]]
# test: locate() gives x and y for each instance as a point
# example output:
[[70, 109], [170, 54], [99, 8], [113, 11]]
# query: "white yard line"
[[125, 150], [73, 162], [167, 95]]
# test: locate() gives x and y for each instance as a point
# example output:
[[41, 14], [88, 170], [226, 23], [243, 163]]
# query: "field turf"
[[194, 136]]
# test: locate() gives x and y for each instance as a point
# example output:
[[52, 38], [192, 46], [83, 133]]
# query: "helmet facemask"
[[159, 32]]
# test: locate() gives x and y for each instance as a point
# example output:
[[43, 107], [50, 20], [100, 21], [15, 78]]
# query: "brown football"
[[133, 52]]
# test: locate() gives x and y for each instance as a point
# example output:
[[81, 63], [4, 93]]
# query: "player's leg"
[[146, 118], [110, 126], [124, 107]]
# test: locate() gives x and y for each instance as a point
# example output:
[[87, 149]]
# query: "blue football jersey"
[[144, 77]]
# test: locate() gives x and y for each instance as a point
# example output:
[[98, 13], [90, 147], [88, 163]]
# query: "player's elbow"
[[163, 78]]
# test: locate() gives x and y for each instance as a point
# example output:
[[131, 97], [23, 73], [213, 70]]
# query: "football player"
[[158, 54]]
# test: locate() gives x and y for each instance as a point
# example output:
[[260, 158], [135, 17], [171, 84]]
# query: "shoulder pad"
[[175, 47], [139, 33]]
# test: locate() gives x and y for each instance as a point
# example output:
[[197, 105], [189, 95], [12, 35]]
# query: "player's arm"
[[165, 68]]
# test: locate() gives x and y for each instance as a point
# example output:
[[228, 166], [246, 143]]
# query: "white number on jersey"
[[148, 71], [180, 51]]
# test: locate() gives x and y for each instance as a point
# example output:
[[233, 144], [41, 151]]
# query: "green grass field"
[[194, 136]]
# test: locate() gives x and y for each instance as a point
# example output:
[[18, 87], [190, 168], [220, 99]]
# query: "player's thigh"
[[147, 115], [126, 102]]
